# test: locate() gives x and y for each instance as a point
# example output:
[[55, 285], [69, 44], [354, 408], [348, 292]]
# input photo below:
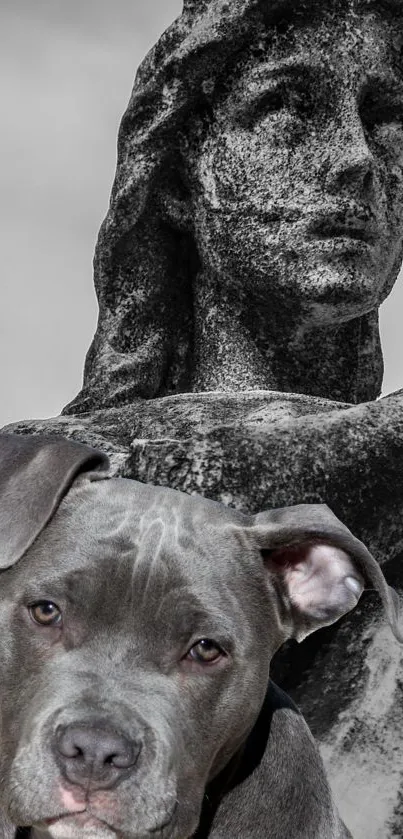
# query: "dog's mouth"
[[80, 814], [83, 820]]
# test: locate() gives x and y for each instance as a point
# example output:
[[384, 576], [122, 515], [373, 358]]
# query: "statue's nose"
[[351, 163], [93, 756]]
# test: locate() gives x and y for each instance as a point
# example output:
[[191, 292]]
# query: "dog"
[[137, 625]]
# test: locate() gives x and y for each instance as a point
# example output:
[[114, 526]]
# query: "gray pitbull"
[[137, 625]]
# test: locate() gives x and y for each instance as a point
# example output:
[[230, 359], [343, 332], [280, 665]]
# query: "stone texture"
[[255, 225], [256, 217]]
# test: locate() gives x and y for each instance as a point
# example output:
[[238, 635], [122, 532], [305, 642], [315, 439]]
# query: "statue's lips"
[[359, 226], [360, 234]]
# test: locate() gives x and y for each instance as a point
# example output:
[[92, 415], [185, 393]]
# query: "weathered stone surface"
[[256, 216], [255, 225]]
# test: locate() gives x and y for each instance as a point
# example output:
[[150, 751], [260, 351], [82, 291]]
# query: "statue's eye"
[[270, 102], [45, 613], [293, 99], [205, 651]]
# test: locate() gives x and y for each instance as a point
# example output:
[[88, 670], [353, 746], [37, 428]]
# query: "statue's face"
[[298, 182]]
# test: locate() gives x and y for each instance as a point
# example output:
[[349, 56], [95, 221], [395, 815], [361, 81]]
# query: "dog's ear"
[[35, 474], [319, 569]]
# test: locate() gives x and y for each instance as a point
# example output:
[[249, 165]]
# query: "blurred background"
[[66, 73]]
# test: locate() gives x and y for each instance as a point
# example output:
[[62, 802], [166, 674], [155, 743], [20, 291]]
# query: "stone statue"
[[256, 219], [255, 226]]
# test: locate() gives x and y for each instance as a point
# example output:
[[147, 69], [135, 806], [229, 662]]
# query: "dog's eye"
[[205, 651], [45, 613]]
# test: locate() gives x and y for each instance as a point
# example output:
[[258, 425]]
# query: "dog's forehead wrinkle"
[[115, 512], [190, 512], [113, 516]]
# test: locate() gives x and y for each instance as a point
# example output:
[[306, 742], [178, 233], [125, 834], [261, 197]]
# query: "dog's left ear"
[[35, 473], [318, 568]]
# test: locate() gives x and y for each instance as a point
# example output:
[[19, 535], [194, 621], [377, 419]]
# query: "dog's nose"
[[94, 757]]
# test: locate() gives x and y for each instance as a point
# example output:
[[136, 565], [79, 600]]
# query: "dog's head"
[[137, 626]]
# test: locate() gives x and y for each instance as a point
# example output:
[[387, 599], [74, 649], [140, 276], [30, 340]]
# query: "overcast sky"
[[66, 72]]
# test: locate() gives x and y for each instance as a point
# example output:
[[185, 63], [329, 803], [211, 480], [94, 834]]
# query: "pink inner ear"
[[321, 581]]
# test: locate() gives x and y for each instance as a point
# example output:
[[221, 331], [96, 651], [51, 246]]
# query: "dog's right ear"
[[35, 474]]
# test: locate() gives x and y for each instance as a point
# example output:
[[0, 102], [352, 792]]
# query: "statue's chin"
[[325, 282], [335, 291]]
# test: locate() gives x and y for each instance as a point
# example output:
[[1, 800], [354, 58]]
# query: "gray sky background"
[[66, 72]]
